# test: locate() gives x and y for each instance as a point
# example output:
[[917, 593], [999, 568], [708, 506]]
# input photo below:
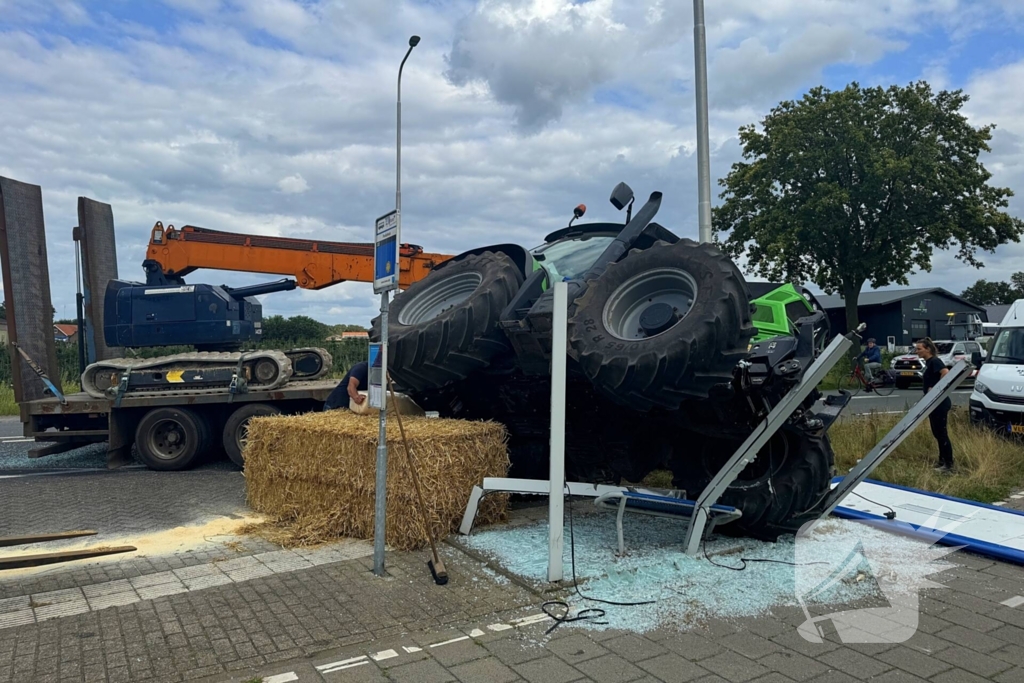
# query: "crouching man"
[[356, 380]]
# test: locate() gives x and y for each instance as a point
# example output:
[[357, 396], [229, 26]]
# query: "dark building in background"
[[905, 315]]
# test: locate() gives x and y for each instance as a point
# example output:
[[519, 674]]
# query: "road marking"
[[342, 668], [499, 627], [1000, 503], [1015, 601], [449, 642], [384, 654], [409, 649], [282, 678], [341, 664], [526, 621], [476, 633], [1017, 496], [15, 439]]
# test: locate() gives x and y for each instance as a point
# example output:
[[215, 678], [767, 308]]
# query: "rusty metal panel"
[[99, 266], [27, 286]]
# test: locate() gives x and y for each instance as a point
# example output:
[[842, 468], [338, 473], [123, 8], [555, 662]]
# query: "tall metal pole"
[[700, 56], [380, 500]]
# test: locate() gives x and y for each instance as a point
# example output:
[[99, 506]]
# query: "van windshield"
[[1008, 347]]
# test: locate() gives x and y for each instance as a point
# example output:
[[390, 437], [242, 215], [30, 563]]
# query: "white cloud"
[[293, 184], [209, 123]]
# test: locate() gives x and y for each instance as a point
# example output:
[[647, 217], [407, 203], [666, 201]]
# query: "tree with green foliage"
[[299, 328], [860, 186], [985, 293]]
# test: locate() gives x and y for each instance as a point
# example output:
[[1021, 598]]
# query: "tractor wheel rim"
[[672, 286], [167, 440], [438, 297]]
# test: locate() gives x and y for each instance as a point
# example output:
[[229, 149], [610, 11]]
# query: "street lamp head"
[[414, 41]]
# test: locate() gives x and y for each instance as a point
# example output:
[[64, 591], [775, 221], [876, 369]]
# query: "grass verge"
[[989, 466]]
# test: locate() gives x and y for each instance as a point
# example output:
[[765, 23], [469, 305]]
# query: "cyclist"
[[872, 356]]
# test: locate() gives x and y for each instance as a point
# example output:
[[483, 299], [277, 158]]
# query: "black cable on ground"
[[891, 514], [591, 613]]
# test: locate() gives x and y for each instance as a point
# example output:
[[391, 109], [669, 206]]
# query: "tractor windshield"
[[571, 257]]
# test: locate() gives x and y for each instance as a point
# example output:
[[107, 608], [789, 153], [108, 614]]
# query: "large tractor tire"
[[663, 325], [777, 493], [445, 327]]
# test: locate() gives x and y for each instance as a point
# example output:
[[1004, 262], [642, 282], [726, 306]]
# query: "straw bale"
[[317, 474]]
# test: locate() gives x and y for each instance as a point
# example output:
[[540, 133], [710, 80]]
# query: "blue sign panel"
[[385, 252]]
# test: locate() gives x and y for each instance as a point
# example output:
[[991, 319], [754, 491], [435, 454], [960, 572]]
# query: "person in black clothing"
[[355, 380], [934, 370]]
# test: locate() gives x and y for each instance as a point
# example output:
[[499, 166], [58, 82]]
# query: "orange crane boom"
[[313, 264]]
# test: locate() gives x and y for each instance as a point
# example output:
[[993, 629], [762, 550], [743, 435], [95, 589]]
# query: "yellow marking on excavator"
[[175, 376]]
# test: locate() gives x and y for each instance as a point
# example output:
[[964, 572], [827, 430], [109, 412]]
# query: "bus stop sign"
[[385, 253]]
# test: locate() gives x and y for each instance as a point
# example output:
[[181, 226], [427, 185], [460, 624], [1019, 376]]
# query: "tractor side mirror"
[[976, 359], [622, 195], [579, 211]]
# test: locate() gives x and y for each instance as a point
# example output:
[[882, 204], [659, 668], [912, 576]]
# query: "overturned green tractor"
[[673, 360]]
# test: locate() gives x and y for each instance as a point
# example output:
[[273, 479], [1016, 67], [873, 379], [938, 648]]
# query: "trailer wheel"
[[237, 425], [171, 438]]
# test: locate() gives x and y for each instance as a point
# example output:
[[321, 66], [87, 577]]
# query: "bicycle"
[[882, 384]]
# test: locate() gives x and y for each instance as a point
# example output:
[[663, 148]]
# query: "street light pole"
[[700, 56], [380, 502]]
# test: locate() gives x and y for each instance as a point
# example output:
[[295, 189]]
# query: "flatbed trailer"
[[83, 419], [209, 419]]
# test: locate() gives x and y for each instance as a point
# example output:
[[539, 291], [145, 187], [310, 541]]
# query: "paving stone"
[[975, 662], [897, 676], [967, 618], [575, 648], [734, 667], [793, 665], [975, 640], [547, 670], [834, 677], [610, 668], [457, 653], [854, 663], [750, 645], [691, 646], [914, 662], [1011, 676], [773, 677], [634, 648], [515, 651], [959, 676], [672, 668], [488, 670]]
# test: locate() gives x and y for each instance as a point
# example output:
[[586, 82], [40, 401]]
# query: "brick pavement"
[[964, 637], [287, 624]]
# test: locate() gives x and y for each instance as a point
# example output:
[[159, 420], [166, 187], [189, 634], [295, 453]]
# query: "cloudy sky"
[[277, 116]]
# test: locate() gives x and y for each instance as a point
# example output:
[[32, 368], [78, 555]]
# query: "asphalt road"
[[898, 401]]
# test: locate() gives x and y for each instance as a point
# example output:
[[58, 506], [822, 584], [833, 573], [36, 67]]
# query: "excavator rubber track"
[[198, 372], [309, 363]]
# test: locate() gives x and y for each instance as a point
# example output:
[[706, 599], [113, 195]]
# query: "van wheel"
[[236, 428]]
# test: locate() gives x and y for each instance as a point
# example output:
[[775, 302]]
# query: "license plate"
[[1017, 429], [907, 374]]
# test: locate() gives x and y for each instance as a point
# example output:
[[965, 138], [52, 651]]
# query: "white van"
[[998, 396]]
